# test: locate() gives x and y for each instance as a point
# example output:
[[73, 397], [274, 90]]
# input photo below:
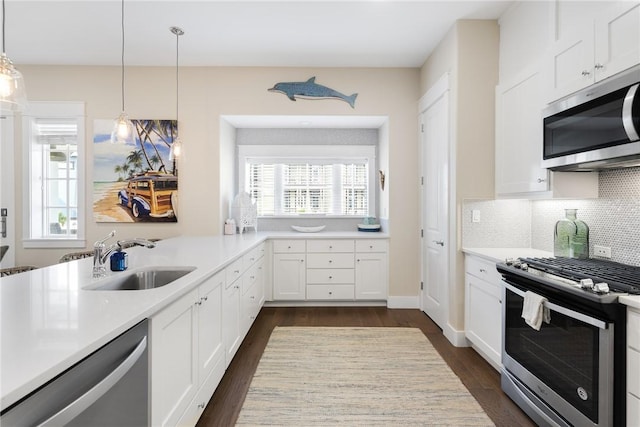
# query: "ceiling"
[[294, 33]]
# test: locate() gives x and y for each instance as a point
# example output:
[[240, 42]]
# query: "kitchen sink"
[[144, 278]]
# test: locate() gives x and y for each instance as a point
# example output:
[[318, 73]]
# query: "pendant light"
[[176, 145], [122, 128], [13, 95]]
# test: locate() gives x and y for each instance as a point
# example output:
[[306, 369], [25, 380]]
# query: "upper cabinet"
[[590, 46]]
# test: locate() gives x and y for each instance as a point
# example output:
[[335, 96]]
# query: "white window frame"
[[311, 153], [53, 110]]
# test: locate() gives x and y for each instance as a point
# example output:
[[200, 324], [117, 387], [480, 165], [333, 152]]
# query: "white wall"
[[206, 94]]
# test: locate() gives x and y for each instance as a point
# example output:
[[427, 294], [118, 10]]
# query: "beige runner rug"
[[317, 376]]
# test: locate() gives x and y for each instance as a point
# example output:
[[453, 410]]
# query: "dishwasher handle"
[[75, 408]]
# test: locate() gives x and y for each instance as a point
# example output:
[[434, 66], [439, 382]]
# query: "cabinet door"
[[210, 343], [519, 135], [174, 381], [231, 319], [289, 277], [483, 318], [571, 62], [371, 276], [617, 39]]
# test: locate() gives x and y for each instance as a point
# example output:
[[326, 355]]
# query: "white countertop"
[[500, 254], [49, 322]]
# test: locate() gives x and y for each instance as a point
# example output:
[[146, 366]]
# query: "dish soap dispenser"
[[119, 261]]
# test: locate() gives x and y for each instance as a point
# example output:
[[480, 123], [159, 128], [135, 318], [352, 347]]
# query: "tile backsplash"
[[613, 219]]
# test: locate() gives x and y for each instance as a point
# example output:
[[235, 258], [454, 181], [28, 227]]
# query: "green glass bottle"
[[571, 236], [564, 232], [580, 242]]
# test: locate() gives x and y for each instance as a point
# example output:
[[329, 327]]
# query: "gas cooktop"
[[597, 275]]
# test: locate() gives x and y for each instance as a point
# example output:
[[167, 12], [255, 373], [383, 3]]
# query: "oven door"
[[566, 367]]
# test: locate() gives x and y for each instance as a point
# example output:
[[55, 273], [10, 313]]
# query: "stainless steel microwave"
[[596, 128]]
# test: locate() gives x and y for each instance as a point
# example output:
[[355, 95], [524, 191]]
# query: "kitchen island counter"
[[50, 321]]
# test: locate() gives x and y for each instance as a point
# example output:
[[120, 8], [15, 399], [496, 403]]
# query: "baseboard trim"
[[455, 337], [403, 302], [325, 303]]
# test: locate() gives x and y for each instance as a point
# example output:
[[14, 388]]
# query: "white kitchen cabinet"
[[518, 170], [483, 308], [598, 46], [371, 269], [252, 298], [188, 356], [289, 270], [633, 367], [232, 336], [330, 269]]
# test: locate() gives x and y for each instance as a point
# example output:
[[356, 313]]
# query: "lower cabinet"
[[330, 269], [633, 367], [188, 356], [231, 319], [483, 308]]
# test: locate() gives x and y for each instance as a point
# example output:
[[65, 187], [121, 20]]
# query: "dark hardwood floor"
[[477, 375]]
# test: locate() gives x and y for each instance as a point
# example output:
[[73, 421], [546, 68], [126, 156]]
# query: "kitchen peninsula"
[[51, 319]]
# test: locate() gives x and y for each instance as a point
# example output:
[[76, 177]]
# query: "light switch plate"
[[475, 215]]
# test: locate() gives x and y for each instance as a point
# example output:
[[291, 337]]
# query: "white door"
[[435, 202], [7, 205]]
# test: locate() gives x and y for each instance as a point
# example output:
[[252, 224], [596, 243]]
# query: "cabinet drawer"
[[490, 288], [249, 278], [252, 256], [288, 246], [233, 271], [633, 330], [330, 275], [483, 269], [339, 260], [329, 292], [330, 245], [372, 245]]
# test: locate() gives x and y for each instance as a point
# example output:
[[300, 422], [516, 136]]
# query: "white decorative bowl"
[[308, 229]]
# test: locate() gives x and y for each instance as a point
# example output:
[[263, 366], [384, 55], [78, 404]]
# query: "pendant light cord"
[[122, 53], [3, 21], [177, 68]]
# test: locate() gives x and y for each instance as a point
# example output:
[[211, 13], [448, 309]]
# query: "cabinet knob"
[[482, 270], [585, 73], [598, 66], [252, 297], [252, 277], [370, 246], [236, 271], [330, 261], [330, 293], [237, 286], [330, 277], [301, 260], [204, 298], [358, 260], [439, 242], [198, 302], [540, 180], [330, 247], [288, 247], [201, 405]]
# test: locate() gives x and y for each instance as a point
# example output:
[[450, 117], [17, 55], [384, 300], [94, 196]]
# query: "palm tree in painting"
[[118, 169], [149, 131], [126, 170], [155, 160], [135, 160]]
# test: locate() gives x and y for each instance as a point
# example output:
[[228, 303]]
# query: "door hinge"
[[422, 127], [422, 286], [422, 180], [422, 232]]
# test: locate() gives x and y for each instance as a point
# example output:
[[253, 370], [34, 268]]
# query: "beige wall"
[[206, 93], [469, 53]]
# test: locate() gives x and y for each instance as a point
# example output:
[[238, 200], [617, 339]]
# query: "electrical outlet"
[[475, 215], [602, 251]]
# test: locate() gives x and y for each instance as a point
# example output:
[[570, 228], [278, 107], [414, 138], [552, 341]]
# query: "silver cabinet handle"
[[75, 408], [598, 66], [439, 242], [482, 270], [585, 73], [541, 180]]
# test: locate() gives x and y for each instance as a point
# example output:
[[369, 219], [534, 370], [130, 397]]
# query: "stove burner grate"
[[620, 277]]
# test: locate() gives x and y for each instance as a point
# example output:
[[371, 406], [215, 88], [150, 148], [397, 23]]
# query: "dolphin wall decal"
[[310, 89]]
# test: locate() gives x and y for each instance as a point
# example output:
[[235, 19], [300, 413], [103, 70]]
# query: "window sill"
[[53, 243]]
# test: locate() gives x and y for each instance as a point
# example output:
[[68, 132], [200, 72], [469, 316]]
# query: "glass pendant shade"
[[122, 129], [13, 95], [176, 149]]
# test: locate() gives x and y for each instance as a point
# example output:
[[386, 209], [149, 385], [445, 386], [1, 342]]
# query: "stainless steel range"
[[572, 371]]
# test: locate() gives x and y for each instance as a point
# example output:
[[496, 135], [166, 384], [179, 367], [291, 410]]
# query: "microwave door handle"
[[627, 112], [76, 407]]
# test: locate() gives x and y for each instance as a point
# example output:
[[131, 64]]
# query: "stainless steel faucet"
[[101, 252]]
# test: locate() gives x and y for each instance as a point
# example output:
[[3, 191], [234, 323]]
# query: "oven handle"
[[562, 310]]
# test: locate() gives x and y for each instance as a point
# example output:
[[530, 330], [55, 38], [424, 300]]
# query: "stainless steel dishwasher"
[[107, 388]]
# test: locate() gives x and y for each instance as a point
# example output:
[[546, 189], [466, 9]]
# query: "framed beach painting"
[[135, 180]]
